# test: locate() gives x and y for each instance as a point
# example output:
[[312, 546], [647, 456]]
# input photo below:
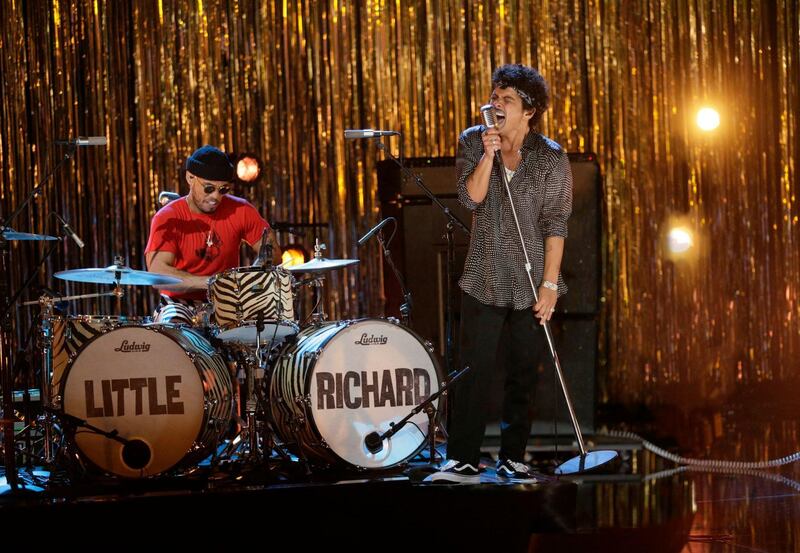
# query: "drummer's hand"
[[190, 282], [544, 308]]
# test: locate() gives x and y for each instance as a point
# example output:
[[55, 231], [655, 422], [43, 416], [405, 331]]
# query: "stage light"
[[293, 255], [248, 169], [708, 119], [679, 240]]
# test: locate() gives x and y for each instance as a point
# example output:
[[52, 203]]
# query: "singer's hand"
[[491, 141], [544, 308]]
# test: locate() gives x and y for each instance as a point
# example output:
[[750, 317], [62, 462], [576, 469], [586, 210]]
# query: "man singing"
[[496, 289]]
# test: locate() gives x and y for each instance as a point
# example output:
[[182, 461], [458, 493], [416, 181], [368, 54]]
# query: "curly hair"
[[528, 83]]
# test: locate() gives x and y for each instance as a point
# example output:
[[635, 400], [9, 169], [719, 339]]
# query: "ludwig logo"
[[132, 347], [372, 340]]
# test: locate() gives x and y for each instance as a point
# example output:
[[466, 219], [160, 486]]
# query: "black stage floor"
[[639, 503]]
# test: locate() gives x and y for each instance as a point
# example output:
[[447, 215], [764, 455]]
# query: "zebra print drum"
[[71, 332], [246, 296], [163, 389], [340, 381]]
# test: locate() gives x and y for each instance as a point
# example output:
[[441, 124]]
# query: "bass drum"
[[163, 389], [71, 332], [340, 381]]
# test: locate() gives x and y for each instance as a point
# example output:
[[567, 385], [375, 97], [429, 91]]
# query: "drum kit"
[[249, 382]]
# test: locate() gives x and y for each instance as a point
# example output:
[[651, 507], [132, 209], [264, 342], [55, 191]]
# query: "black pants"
[[481, 333]]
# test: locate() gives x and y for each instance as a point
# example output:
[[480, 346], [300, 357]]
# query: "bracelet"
[[550, 285]]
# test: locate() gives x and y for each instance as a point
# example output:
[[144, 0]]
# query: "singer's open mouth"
[[501, 117]]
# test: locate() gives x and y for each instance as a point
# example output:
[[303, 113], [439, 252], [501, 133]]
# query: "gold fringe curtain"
[[284, 79]]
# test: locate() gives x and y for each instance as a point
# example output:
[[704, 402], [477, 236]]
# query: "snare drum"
[[245, 297], [340, 381], [162, 388]]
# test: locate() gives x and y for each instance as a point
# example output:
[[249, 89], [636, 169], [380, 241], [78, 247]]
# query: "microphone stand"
[[374, 441], [586, 460], [405, 308], [74, 422], [452, 222], [6, 328]]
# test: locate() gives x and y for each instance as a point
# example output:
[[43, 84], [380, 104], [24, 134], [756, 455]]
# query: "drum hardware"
[[321, 265], [53, 300], [134, 451], [298, 424], [374, 441], [7, 300], [253, 443], [264, 257], [47, 305], [318, 315], [408, 304]]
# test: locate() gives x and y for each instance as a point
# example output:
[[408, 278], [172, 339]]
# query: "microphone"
[[85, 141], [264, 258], [373, 230], [373, 442], [69, 232], [490, 120], [489, 115], [367, 133]]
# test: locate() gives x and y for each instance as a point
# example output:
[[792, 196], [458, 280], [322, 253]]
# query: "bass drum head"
[[142, 384], [369, 374]]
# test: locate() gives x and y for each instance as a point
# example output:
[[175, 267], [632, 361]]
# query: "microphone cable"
[[704, 464]]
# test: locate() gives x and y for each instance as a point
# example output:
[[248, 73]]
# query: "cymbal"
[[320, 264], [117, 274], [11, 234]]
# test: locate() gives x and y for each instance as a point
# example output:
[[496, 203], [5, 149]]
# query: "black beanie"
[[210, 163]]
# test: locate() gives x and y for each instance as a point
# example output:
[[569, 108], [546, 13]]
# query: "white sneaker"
[[456, 471]]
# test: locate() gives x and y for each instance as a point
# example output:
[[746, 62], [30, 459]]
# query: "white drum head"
[[274, 332], [142, 384], [369, 375]]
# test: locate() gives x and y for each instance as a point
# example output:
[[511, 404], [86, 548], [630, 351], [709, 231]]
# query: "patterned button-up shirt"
[[494, 271]]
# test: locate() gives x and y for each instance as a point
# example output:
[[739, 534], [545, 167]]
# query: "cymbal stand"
[[47, 305], [319, 316], [6, 329]]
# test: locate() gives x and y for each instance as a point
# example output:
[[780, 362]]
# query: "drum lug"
[[55, 402], [215, 423], [303, 400], [393, 320], [429, 346], [208, 404]]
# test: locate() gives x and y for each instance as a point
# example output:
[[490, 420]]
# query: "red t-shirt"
[[178, 230]]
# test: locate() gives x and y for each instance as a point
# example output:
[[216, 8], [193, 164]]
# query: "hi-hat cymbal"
[[117, 274], [10, 234], [320, 264]]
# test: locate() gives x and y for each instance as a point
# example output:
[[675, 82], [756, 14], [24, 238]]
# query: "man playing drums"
[[199, 235]]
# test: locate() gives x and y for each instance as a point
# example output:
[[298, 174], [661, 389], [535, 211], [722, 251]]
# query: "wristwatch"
[[550, 285]]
